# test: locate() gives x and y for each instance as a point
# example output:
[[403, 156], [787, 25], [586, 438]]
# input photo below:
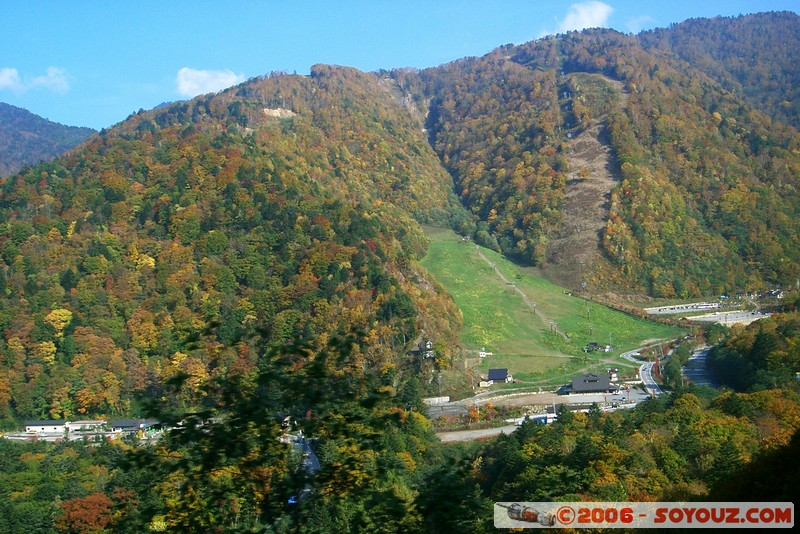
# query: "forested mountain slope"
[[191, 239], [754, 56], [256, 247], [27, 139], [706, 199]]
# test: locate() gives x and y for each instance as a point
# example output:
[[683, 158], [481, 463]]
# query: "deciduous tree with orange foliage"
[[85, 515]]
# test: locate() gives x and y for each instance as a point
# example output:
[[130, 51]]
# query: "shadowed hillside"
[[27, 139], [754, 56]]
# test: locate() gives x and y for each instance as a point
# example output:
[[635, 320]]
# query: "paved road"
[[310, 460], [469, 435], [681, 308], [645, 373], [310, 463], [695, 369], [731, 317]]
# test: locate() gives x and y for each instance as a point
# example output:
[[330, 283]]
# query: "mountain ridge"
[[27, 139], [752, 55]]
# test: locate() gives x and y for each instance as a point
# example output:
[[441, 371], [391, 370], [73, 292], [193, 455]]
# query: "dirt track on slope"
[[576, 246]]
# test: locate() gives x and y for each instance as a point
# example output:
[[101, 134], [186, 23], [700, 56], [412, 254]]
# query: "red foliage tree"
[[86, 514]]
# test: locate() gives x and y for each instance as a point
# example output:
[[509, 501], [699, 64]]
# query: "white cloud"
[[9, 79], [592, 14], [54, 79], [192, 82]]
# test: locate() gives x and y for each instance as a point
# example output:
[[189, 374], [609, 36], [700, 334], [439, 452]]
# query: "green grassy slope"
[[497, 317]]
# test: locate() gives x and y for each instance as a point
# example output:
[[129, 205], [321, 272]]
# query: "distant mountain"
[[754, 56], [27, 139]]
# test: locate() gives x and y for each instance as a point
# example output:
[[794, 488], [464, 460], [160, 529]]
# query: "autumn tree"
[[90, 514]]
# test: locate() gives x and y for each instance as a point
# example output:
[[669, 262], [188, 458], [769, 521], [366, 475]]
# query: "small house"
[[423, 349], [498, 376]]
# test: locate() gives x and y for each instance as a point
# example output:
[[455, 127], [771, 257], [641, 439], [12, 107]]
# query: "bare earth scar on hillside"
[[577, 243]]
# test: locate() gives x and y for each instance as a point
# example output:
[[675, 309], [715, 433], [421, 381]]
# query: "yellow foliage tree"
[[59, 319], [45, 351]]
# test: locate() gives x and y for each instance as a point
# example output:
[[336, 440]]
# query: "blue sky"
[[93, 63]]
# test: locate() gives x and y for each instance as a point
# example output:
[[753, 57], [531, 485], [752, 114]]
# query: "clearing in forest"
[[575, 247], [535, 329]]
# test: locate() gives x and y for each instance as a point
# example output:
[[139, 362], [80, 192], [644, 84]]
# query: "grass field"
[[544, 347]]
